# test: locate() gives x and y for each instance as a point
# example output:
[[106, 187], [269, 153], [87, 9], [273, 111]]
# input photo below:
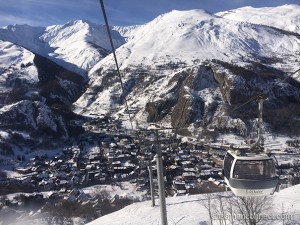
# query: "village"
[[116, 160], [107, 158]]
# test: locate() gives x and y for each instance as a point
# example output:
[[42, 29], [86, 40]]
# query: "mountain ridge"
[[285, 17], [76, 45], [184, 42], [182, 69]]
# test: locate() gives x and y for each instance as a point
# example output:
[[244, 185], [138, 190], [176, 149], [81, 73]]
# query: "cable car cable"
[[264, 93], [236, 166], [115, 59], [245, 103], [288, 76]]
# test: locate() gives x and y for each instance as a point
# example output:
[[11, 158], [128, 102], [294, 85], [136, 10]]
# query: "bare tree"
[[231, 213], [251, 209], [49, 219], [221, 208], [216, 205], [283, 213], [208, 204]]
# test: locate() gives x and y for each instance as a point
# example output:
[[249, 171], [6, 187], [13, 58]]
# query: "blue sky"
[[120, 12]]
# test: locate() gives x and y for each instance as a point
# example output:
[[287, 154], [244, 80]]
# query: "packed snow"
[[124, 190], [286, 17], [191, 210]]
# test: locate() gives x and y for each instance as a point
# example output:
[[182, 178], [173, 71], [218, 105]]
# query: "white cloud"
[[7, 19]]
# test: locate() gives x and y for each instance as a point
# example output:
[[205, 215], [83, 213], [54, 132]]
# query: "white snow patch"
[[190, 210]]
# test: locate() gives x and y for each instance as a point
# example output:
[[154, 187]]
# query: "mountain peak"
[[77, 45], [72, 25], [285, 17], [80, 22], [189, 16]]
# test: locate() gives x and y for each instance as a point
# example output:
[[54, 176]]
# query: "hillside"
[[35, 93], [165, 62], [190, 210], [284, 17], [63, 115], [77, 45], [43, 71], [187, 69]]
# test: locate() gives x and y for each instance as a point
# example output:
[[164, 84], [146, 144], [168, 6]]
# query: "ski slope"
[[189, 210]]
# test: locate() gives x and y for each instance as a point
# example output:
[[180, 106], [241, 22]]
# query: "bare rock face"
[[240, 88], [38, 110], [56, 84], [34, 117], [159, 109], [203, 72], [214, 94]]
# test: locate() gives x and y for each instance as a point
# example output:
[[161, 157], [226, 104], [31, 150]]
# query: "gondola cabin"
[[250, 174]]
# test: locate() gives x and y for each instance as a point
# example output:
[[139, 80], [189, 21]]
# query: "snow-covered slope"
[[13, 54], [17, 72], [286, 17], [128, 32], [190, 35], [166, 61], [80, 42], [183, 68], [190, 210], [33, 116], [30, 84], [76, 45], [15, 58]]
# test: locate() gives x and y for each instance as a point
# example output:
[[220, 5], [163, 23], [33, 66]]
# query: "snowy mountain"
[[183, 69], [286, 17], [13, 57], [76, 45], [186, 68], [127, 32], [190, 35], [44, 70], [34, 92]]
